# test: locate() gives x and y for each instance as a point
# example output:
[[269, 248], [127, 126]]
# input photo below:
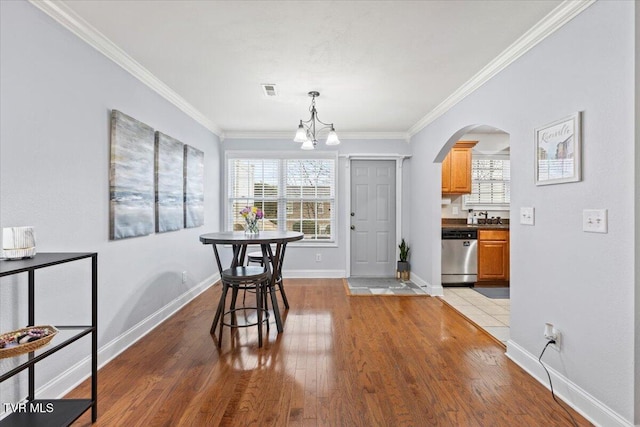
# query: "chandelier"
[[308, 130]]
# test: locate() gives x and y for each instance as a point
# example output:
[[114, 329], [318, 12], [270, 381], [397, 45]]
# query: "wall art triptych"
[[156, 182]]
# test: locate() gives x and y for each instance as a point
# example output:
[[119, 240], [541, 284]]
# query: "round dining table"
[[272, 260]]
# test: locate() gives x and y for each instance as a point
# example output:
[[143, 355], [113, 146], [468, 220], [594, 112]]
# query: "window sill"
[[314, 244]]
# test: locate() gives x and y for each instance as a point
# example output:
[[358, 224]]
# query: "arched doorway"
[[475, 226]]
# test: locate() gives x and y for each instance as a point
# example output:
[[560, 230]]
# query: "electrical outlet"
[[558, 341], [552, 334], [318, 257], [455, 210], [184, 277], [527, 216], [594, 220]]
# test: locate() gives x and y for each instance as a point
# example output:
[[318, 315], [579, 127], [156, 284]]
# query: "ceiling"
[[380, 66]]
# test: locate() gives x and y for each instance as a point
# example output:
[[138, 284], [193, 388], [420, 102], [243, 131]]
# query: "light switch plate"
[[594, 220], [527, 215], [455, 210]]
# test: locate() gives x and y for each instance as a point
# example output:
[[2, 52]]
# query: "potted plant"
[[403, 265]]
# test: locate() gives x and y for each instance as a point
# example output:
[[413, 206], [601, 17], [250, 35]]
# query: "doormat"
[[382, 286], [495, 293]]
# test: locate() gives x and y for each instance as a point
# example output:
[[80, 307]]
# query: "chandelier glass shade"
[[309, 129]]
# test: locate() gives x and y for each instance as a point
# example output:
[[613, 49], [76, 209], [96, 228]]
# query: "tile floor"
[[490, 314], [382, 286]]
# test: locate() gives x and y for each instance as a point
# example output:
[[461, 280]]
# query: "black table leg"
[[273, 265], [280, 280], [222, 300], [278, 260], [276, 311], [220, 308]]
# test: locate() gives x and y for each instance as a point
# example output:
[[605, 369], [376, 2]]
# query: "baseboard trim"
[[76, 374], [588, 406], [433, 290], [314, 274]]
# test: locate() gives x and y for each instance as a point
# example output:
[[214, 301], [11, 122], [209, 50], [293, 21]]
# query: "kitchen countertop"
[[461, 224]]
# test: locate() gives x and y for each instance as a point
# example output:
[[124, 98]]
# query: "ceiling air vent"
[[269, 89]]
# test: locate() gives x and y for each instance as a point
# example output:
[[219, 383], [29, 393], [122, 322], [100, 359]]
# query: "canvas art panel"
[[193, 187], [131, 180], [558, 151], [169, 183]]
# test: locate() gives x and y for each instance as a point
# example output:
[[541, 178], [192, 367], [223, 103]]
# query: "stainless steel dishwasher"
[[459, 256]]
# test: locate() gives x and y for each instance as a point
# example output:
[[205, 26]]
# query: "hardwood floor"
[[341, 361]]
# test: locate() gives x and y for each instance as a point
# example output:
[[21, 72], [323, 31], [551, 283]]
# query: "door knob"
[[353, 214], [353, 227]]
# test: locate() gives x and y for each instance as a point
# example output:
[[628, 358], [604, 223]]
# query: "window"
[[295, 194], [490, 183]]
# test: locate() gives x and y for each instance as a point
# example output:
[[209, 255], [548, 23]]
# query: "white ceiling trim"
[[81, 28], [290, 135], [547, 26]]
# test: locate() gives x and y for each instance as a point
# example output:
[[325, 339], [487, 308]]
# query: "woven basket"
[[26, 347]]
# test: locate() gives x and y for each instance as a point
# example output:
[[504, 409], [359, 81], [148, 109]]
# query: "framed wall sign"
[[559, 151]]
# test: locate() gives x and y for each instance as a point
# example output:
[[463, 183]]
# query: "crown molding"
[[289, 135], [66, 17], [558, 17]]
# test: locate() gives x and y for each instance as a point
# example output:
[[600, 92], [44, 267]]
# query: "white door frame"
[[398, 202]]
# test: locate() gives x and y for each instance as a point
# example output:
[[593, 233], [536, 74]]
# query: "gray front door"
[[373, 218]]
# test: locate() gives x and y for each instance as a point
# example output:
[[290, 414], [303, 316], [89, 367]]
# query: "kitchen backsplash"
[[454, 209]]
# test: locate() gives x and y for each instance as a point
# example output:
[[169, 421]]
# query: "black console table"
[[56, 412]]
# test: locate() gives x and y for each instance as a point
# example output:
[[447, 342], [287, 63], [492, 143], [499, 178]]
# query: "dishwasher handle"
[[459, 234]]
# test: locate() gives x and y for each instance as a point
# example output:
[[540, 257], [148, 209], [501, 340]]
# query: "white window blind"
[[294, 194], [490, 182]]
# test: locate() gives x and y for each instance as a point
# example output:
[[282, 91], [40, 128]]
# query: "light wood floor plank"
[[341, 361]]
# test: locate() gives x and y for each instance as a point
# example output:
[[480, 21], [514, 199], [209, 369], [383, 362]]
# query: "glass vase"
[[251, 228]]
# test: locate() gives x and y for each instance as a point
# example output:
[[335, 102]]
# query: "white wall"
[[301, 260], [57, 94], [584, 283]]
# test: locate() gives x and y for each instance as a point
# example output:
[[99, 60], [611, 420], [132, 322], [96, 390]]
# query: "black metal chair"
[[256, 257], [237, 279]]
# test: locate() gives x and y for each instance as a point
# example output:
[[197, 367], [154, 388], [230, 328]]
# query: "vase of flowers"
[[251, 217]]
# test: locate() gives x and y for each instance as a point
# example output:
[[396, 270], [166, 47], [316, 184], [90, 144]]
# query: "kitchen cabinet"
[[456, 169], [493, 255]]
